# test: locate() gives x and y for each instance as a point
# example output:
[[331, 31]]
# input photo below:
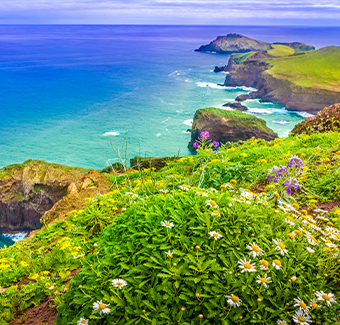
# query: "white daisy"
[[101, 307], [301, 304], [234, 301], [331, 245], [313, 304], [215, 235], [254, 250], [119, 283], [264, 265], [329, 298], [290, 222], [280, 246], [202, 193], [82, 321], [263, 280], [169, 254], [230, 205], [282, 322], [51, 288], [301, 318], [184, 187], [310, 251], [167, 224], [246, 266], [215, 213], [212, 204], [277, 264]]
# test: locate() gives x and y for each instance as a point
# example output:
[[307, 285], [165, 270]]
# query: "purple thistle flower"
[[216, 144], [195, 145], [205, 135]]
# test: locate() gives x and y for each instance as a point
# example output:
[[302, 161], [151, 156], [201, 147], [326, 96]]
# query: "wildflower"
[[205, 135], [202, 193], [310, 251], [167, 224], [23, 264], [277, 264], [82, 321], [313, 304], [264, 265], [215, 235], [329, 298], [263, 280], [301, 318], [291, 236], [119, 283], [216, 144], [99, 305], [300, 303], [215, 213], [255, 250], [184, 187], [246, 266], [211, 203], [280, 246], [230, 205], [293, 278], [234, 301], [169, 254], [195, 145], [282, 322]]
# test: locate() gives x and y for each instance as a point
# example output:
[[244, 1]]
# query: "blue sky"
[[178, 12]]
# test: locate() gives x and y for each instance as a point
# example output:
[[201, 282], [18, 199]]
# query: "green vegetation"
[[281, 50], [158, 249], [319, 69], [239, 58]]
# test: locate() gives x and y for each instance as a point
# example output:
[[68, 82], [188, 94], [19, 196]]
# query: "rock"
[[237, 106], [28, 190], [114, 167], [242, 98], [219, 69], [149, 162], [326, 120], [234, 43], [72, 189], [229, 126]]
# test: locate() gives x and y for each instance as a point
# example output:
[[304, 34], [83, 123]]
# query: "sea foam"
[[16, 237], [281, 122], [188, 122], [112, 133]]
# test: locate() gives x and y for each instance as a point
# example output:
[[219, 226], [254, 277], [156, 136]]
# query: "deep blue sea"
[[66, 91]]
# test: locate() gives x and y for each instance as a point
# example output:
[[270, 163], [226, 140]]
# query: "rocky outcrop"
[[229, 126], [28, 190], [237, 106], [234, 43], [326, 120], [138, 162], [219, 69], [298, 46]]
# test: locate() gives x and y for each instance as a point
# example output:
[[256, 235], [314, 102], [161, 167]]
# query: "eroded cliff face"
[[28, 190], [252, 73]]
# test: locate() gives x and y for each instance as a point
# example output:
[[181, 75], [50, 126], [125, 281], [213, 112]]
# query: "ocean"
[[66, 91]]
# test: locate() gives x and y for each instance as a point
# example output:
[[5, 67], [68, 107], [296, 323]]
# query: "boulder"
[[237, 106], [326, 120], [229, 126]]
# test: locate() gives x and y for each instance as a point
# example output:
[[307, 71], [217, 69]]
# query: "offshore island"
[[224, 237]]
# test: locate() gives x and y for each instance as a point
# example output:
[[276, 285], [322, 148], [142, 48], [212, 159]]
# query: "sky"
[[172, 12]]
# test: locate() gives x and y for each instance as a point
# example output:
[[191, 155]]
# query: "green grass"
[[319, 69], [281, 50], [240, 57]]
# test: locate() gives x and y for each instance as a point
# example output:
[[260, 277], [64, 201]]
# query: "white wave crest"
[[188, 122], [16, 237], [158, 135], [260, 111], [210, 85], [281, 122], [112, 133], [303, 114], [248, 88]]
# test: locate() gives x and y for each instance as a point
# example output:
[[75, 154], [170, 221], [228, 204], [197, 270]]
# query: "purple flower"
[[205, 135], [295, 162], [216, 144], [195, 145], [291, 183], [215, 152]]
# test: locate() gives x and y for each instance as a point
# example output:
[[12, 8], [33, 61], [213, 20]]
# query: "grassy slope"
[[49, 252], [317, 69], [281, 50], [238, 118]]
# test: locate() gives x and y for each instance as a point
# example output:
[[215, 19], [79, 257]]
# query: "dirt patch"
[[327, 206], [259, 187], [22, 282], [40, 315]]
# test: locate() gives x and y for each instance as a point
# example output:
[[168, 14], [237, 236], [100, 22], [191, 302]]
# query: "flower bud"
[[182, 309], [197, 295], [200, 316]]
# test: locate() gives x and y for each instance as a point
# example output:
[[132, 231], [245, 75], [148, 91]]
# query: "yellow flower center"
[[264, 263], [315, 305], [247, 266], [216, 212], [325, 297], [212, 202], [167, 223], [101, 306], [215, 234], [83, 321], [170, 255], [234, 298], [303, 305], [301, 319], [255, 248], [281, 245], [277, 262], [119, 284], [264, 280]]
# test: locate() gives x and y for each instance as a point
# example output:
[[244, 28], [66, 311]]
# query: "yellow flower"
[[243, 154], [45, 272], [35, 277], [23, 264]]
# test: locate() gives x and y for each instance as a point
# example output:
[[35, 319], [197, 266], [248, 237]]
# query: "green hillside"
[[281, 50]]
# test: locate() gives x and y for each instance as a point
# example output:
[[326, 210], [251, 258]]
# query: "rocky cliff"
[[28, 190], [229, 126]]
